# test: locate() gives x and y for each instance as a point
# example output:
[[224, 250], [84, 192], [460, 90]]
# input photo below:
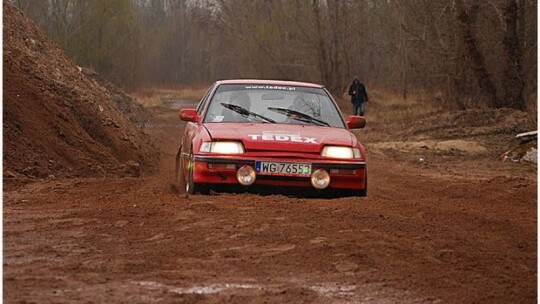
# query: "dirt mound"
[[57, 120], [473, 122], [126, 103], [493, 129], [456, 145]]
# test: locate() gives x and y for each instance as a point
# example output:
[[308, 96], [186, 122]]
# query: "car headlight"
[[340, 152], [222, 147]]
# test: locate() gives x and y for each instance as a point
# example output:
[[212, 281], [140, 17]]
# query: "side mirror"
[[356, 122], [188, 115]]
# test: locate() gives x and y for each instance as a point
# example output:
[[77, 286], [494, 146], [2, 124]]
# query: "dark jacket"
[[358, 92]]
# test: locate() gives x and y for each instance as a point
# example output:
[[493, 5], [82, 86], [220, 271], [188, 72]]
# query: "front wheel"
[[363, 192], [179, 181], [191, 186]]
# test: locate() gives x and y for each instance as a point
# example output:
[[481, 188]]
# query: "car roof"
[[271, 82]]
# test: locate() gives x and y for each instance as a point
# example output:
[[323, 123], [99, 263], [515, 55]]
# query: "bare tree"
[[450, 49], [467, 20], [514, 85]]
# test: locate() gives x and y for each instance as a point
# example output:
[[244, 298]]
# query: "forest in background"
[[461, 53]]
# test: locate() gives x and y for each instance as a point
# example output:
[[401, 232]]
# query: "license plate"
[[278, 168]]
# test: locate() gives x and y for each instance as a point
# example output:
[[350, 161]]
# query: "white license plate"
[[278, 168]]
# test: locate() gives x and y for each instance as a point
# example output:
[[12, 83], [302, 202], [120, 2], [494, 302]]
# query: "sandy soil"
[[451, 229]]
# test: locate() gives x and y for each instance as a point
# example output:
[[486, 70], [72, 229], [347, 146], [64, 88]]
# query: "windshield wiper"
[[298, 116], [244, 112]]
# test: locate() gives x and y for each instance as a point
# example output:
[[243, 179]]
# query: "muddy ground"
[[447, 228]]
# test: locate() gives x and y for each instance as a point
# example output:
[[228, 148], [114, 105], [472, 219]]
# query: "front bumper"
[[222, 170]]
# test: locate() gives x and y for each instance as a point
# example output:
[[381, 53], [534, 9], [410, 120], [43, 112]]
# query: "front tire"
[[363, 192], [179, 181], [191, 186]]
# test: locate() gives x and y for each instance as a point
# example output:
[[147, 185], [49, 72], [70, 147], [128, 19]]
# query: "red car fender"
[[195, 134]]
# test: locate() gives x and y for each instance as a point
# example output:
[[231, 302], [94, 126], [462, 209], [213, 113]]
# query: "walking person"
[[359, 96]]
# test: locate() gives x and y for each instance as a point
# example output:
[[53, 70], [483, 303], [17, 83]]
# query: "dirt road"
[[451, 231]]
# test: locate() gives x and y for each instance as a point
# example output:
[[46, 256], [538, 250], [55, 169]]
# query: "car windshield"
[[273, 104]]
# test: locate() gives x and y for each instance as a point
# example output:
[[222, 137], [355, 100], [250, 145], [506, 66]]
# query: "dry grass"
[[389, 108], [146, 100], [153, 96]]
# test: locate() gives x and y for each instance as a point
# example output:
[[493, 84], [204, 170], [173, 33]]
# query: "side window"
[[203, 101]]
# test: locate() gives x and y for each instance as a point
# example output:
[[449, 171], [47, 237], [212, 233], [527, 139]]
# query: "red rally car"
[[270, 134]]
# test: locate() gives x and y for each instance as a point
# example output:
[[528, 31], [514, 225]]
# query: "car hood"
[[280, 137]]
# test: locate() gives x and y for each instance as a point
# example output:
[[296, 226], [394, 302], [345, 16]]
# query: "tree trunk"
[[522, 25], [476, 58], [513, 84]]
